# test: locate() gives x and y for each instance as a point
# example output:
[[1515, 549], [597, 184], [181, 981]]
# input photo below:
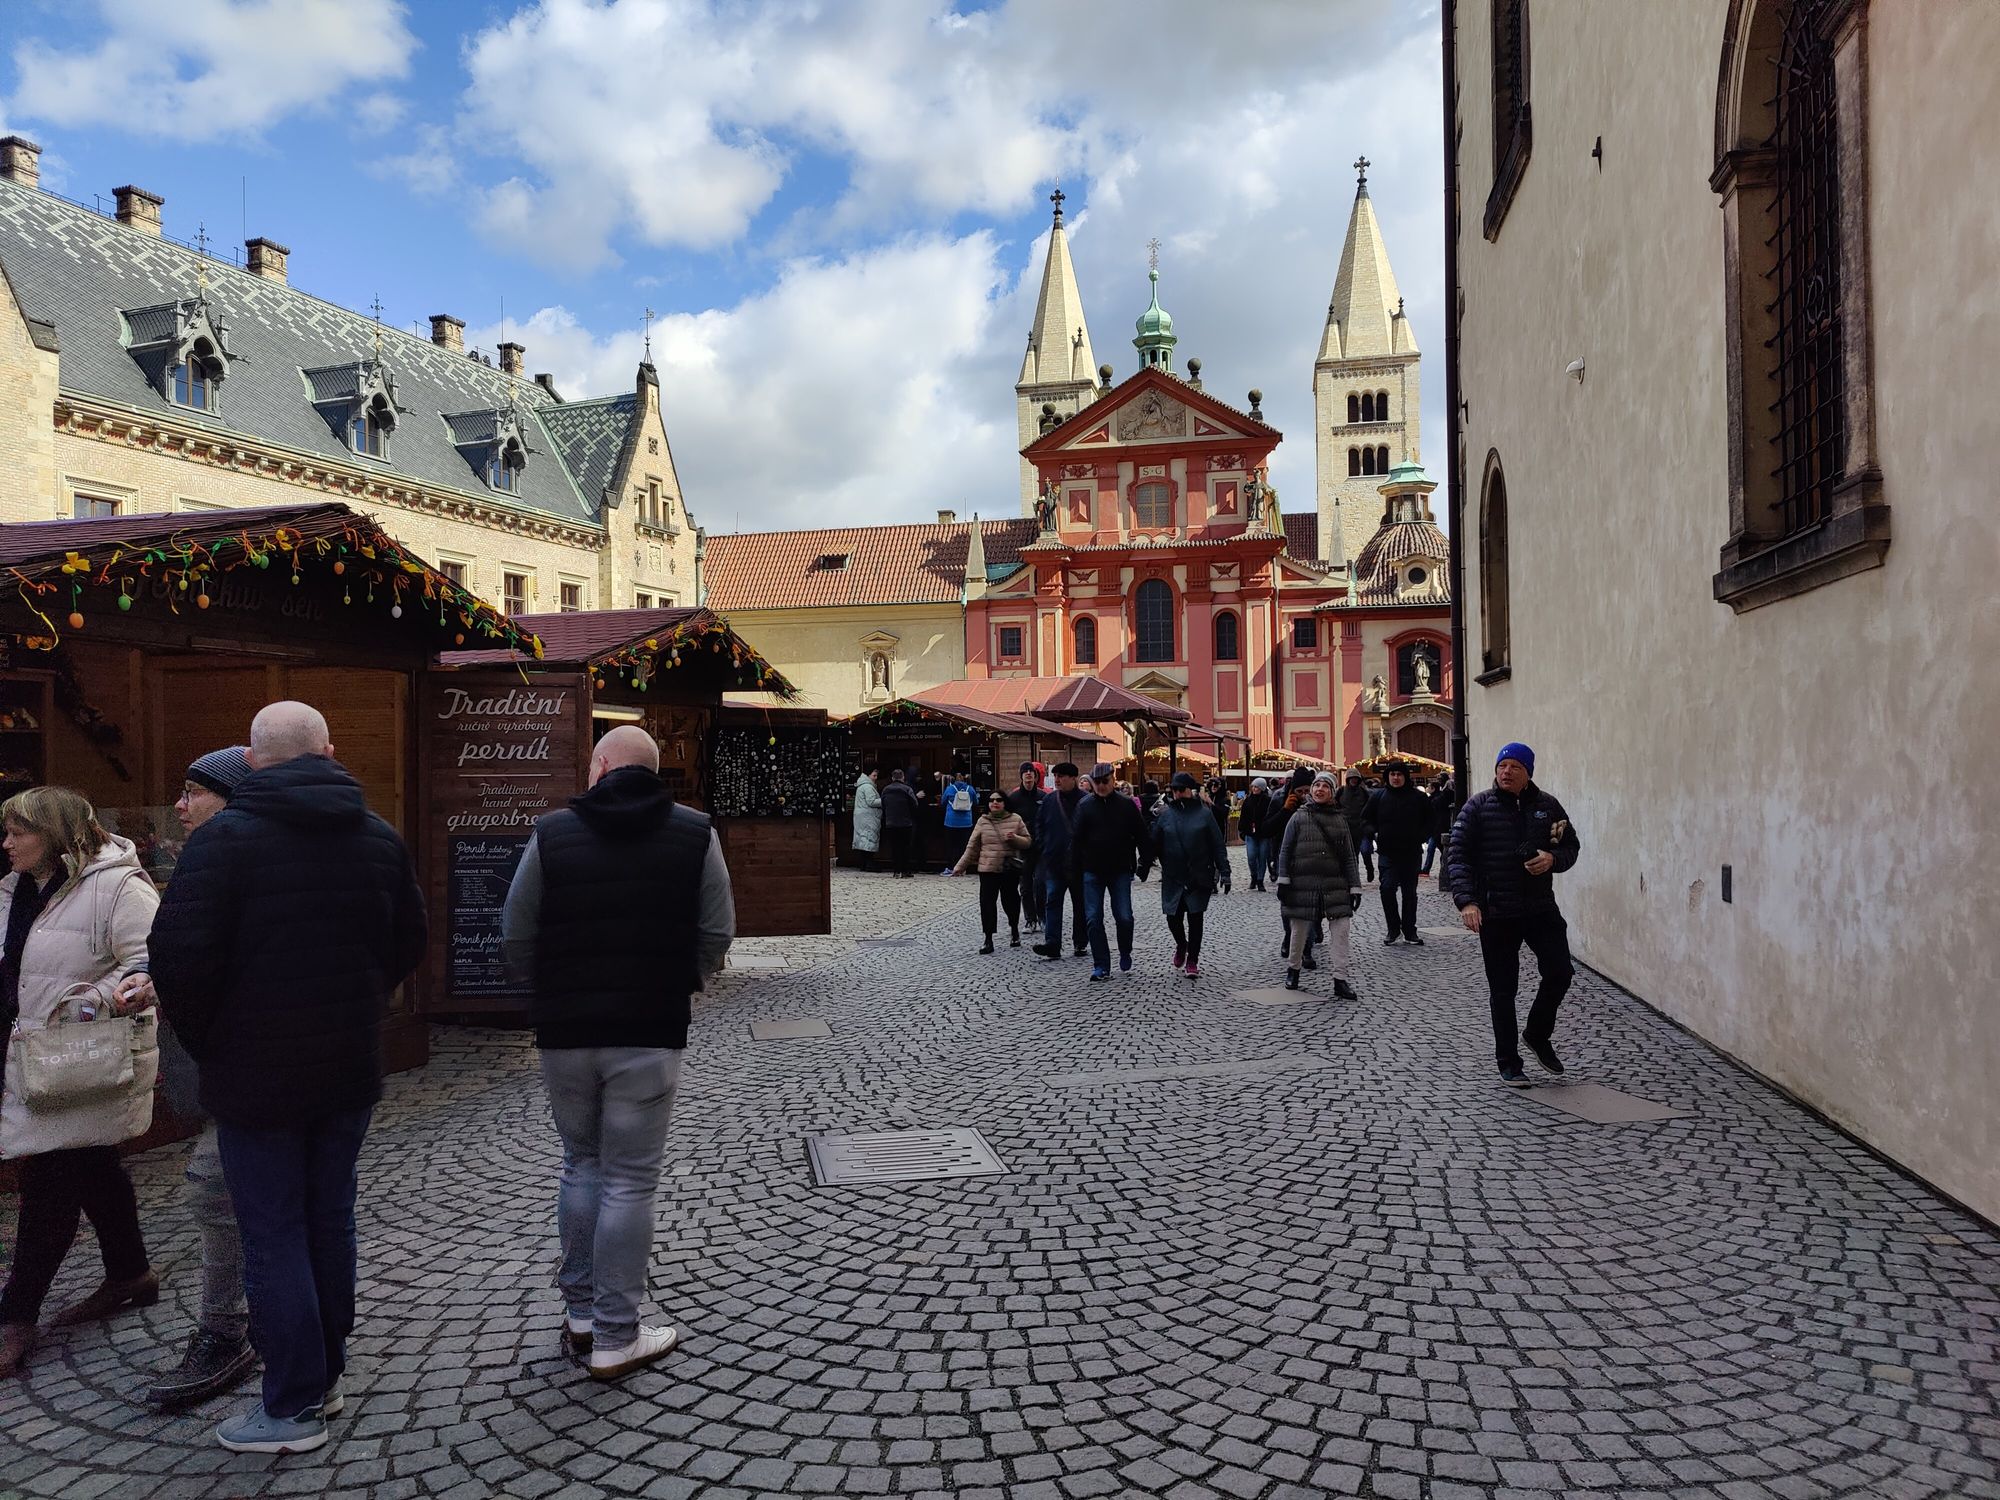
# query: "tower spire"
[[1364, 318], [1059, 367]]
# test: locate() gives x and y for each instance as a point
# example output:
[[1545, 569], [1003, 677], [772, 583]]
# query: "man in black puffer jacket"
[[619, 912], [291, 918], [1509, 844], [1399, 820]]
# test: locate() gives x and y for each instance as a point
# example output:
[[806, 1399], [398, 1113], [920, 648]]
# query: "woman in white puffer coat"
[[75, 910]]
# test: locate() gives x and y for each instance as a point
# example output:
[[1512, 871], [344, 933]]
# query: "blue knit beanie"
[[221, 771], [1517, 751]]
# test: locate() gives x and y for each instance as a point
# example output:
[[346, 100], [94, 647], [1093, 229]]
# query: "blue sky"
[[836, 209]]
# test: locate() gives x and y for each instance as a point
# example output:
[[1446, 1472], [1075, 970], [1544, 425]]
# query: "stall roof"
[[52, 560], [980, 718], [1058, 698], [603, 637]]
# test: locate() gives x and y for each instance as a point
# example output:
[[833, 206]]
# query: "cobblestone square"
[[1243, 1249]]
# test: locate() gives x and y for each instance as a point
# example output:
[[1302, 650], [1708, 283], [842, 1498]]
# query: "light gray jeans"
[[611, 1108], [224, 1313], [1332, 952]]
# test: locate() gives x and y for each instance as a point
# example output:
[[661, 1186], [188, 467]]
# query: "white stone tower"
[[1366, 386], [1059, 369]]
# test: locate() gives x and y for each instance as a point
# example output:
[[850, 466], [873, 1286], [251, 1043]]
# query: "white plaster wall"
[[1836, 748]]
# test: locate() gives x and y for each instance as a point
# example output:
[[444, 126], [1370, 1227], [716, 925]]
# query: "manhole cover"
[[887, 942], [1275, 996], [1603, 1106], [902, 1156], [756, 961], [788, 1030]]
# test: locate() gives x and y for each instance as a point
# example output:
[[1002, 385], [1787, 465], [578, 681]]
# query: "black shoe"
[[1082, 951], [1513, 1074], [1291, 979], [211, 1366], [1342, 990], [1545, 1056], [1412, 938], [988, 948], [1391, 940], [1014, 941], [1311, 962]]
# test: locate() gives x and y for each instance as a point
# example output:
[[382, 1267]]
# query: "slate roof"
[[589, 436], [885, 564], [79, 271]]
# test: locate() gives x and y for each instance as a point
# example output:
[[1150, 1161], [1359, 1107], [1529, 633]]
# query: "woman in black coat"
[[1192, 858], [1319, 881]]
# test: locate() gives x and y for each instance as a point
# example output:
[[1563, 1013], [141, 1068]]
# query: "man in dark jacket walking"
[[1443, 797], [1250, 819], [1509, 844], [292, 916], [1354, 804], [1399, 820], [1109, 844], [900, 823], [1025, 803], [1060, 875], [620, 910]]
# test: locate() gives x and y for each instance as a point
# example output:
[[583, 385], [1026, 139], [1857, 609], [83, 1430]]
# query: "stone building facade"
[[142, 375], [1727, 313]]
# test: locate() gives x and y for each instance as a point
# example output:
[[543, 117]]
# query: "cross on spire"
[[650, 315], [1361, 166], [1057, 199], [1153, 254]]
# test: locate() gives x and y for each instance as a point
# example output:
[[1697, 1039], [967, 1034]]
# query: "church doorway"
[[1426, 740]]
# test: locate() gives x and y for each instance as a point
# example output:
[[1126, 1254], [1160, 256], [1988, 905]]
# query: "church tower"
[[1366, 387], [1059, 369]]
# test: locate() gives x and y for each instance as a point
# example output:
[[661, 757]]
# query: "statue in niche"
[[878, 673], [1423, 673], [1045, 506], [1274, 513]]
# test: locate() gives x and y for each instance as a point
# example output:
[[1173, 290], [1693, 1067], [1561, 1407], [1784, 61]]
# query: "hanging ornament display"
[[781, 772]]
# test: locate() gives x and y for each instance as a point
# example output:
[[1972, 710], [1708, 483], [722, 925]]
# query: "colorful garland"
[[350, 548], [642, 661]]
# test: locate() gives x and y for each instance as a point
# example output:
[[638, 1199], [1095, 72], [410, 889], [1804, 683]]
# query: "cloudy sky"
[[837, 208]]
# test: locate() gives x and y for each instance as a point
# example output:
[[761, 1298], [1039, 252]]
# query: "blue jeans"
[[294, 1196], [223, 1312], [1430, 851], [611, 1107], [1055, 886], [1095, 888], [1257, 850]]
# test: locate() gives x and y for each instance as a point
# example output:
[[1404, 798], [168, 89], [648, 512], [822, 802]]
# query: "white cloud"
[[202, 69], [380, 111], [428, 167]]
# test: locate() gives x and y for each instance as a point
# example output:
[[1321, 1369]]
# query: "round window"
[[1417, 576]]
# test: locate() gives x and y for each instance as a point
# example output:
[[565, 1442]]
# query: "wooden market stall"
[[508, 738], [925, 739], [133, 644]]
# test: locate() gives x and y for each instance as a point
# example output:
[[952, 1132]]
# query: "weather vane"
[[650, 315], [377, 306], [201, 260], [1153, 254]]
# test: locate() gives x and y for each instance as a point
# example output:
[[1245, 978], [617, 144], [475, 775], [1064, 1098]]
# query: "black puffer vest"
[[615, 960]]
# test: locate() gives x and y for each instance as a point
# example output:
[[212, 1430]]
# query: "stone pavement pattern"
[[1349, 1263]]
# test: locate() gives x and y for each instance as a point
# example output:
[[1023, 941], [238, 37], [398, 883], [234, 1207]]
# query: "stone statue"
[[1423, 674], [1376, 699], [878, 671], [1274, 513], [1045, 508]]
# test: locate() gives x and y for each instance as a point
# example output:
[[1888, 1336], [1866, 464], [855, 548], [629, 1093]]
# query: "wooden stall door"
[[197, 707], [367, 717]]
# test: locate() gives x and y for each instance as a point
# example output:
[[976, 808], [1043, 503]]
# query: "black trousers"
[[1185, 925], [57, 1189], [902, 848], [1400, 869], [1001, 888], [1031, 887], [1500, 940]]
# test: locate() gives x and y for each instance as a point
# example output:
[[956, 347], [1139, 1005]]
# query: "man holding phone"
[[1510, 842]]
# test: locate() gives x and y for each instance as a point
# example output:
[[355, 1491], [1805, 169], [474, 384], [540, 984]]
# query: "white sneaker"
[[652, 1344], [335, 1401], [577, 1338]]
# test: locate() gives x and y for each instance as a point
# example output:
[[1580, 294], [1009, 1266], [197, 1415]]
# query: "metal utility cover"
[[788, 1030], [902, 1156], [886, 942], [1603, 1106], [1444, 932], [756, 961], [1275, 996]]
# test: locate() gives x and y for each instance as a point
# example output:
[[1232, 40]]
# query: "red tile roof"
[[981, 718], [1061, 698], [884, 564], [1302, 534]]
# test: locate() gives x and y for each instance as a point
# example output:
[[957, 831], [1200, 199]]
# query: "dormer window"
[[829, 562], [499, 474], [189, 384], [183, 348], [358, 400], [491, 442], [365, 434]]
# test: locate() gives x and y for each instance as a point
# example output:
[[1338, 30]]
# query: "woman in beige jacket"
[[75, 910], [993, 839]]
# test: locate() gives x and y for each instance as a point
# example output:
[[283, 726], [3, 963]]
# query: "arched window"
[[1431, 654], [1085, 631], [1353, 458], [191, 383], [1496, 643], [1368, 407], [1227, 647], [1153, 622], [1382, 459], [1368, 460], [364, 433], [1153, 505], [1381, 406], [500, 473], [1353, 407]]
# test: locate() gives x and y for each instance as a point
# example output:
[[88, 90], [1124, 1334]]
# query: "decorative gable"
[[183, 348]]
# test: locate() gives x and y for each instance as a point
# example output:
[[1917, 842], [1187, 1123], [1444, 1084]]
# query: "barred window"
[[1227, 645], [1810, 439], [1153, 611], [1085, 654]]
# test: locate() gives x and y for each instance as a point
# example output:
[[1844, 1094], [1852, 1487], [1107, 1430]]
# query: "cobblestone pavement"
[[1242, 1250]]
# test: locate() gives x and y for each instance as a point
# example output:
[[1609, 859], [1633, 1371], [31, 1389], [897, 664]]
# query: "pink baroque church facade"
[[1163, 561]]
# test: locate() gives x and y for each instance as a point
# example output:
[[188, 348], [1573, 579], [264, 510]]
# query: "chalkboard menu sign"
[[499, 751]]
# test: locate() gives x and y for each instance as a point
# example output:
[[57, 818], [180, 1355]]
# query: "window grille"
[[1305, 633], [1153, 616], [1010, 643], [1153, 505], [1810, 436], [1227, 645]]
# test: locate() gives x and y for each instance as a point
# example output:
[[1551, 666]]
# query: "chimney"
[[548, 383], [266, 258], [20, 161], [448, 332], [139, 209], [947, 517], [513, 359]]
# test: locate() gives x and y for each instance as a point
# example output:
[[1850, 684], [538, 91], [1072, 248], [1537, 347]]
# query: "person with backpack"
[[961, 809]]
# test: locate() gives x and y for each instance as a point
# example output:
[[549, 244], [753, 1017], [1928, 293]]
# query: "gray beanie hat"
[[221, 771], [1329, 778]]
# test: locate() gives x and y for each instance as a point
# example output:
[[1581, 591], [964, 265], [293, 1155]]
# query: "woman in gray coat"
[[1192, 859], [867, 835], [1319, 881]]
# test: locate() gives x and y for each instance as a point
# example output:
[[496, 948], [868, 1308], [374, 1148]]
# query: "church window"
[[1010, 643], [1368, 460], [191, 385], [1085, 631], [1353, 461], [1513, 134], [1153, 505], [1381, 406], [1353, 407], [1805, 490], [1305, 633], [1495, 628], [1382, 459], [1368, 406], [1227, 646], [365, 433], [1153, 619]]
